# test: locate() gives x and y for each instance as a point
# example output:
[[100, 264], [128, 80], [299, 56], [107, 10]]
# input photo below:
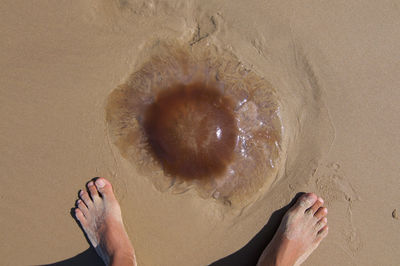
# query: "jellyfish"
[[194, 117]]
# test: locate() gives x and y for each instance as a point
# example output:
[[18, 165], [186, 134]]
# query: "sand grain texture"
[[60, 60]]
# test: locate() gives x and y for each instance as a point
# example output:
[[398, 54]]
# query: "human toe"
[[321, 223], [81, 218], [305, 201], [314, 208], [104, 187], [322, 233], [93, 190], [322, 212], [84, 196], [82, 206]]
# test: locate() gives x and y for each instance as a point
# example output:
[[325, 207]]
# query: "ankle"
[[269, 257], [123, 257], [285, 255], [277, 255]]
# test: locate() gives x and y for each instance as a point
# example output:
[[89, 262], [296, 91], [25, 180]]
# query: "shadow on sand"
[[246, 256]]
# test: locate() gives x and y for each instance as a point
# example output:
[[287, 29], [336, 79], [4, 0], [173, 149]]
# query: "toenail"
[[321, 200], [309, 199], [90, 184], [81, 193], [100, 183]]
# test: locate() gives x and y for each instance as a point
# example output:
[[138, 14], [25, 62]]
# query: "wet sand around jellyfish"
[[257, 149], [275, 124]]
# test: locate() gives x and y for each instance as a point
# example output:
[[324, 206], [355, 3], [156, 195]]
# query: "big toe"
[[105, 188], [306, 201]]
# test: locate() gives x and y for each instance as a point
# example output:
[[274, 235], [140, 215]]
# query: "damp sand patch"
[[195, 117]]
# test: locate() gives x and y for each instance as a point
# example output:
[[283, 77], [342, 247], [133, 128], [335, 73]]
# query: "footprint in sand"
[[395, 214]]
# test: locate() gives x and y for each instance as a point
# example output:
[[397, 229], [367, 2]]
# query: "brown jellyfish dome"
[[193, 117], [192, 131]]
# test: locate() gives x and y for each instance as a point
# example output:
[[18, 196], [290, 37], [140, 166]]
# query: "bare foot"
[[299, 234], [100, 216]]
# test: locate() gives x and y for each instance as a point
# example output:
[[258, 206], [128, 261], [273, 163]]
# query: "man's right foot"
[[100, 217], [302, 229]]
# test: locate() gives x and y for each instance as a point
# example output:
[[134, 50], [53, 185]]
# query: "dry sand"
[[60, 60]]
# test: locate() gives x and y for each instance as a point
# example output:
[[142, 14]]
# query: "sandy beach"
[[330, 71]]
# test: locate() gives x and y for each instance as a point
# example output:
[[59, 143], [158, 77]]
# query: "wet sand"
[[60, 62]]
